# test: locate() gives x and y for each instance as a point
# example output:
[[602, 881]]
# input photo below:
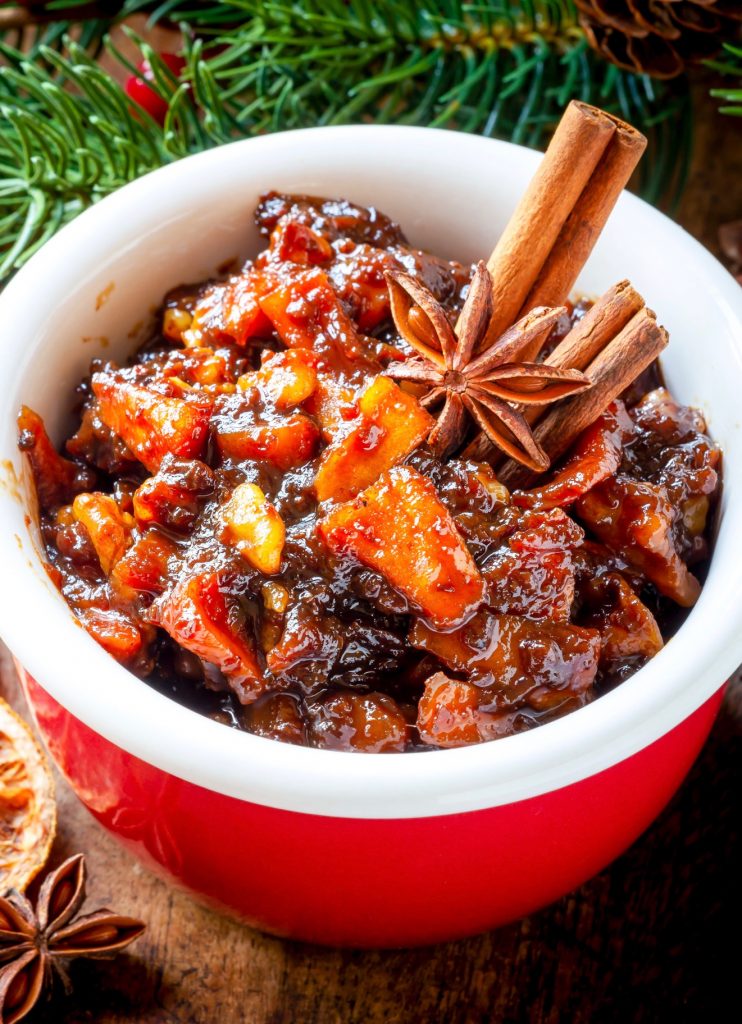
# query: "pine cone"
[[658, 37]]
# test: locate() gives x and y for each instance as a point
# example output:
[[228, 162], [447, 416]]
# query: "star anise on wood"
[[35, 944], [488, 386]]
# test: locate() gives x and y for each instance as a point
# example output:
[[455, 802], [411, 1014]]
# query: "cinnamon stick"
[[606, 317], [579, 142], [612, 370], [584, 224]]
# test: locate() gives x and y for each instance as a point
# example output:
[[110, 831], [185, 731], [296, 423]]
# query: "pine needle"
[[70, 135]]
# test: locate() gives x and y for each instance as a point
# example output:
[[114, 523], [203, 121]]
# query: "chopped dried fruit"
[[286, 378], [231, 311], [286, 442], [255, 528], [595, 456], [400, 527], [635, 519], [532, 574], [171, 497], [334, 405], [367, 722], [115, 630], [277, 716], [627, 627], [152, 425], [106, 526], [57, 480], [28, 816], [306, 313], [297, 243], [199, 615], [523, 659], [449, 714], [391, 425], [144, 567]]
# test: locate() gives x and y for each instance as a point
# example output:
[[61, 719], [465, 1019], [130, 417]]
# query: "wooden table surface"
[[645, 941]]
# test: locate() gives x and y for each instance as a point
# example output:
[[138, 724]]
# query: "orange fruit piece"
[[28, 812]]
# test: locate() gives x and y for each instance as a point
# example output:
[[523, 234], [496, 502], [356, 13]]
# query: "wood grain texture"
[[642, 942]]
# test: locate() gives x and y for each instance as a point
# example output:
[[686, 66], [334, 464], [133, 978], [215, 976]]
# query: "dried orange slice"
[[28, 813]]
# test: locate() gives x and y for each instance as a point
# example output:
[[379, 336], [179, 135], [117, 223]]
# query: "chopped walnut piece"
[[255, 528]]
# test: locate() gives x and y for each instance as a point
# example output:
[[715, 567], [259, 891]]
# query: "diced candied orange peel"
[[152, 425], [391, 425], [306, 313], [230, 310], [285, 443], [255, 527], [107, 526], [28, 814], [199, 616], [400, 527]]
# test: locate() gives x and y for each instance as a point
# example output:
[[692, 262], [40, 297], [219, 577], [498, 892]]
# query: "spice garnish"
[[35, 944], [489, 385]]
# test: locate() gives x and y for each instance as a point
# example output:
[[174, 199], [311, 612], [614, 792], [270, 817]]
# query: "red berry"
[[138, 88]]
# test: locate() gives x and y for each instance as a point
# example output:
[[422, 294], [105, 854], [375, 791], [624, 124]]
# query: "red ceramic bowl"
[[332, 847]]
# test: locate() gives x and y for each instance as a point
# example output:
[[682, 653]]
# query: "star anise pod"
[[488, 386], [35, 944]]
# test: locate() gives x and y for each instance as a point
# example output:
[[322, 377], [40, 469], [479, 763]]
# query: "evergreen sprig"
[[506, 68], [730, 64]]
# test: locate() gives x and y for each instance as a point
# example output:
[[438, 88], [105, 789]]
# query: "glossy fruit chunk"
[[516, 655], [368, 722], [596, 456], [391, 425], [56, 479], [285, 379], [533, 573], [199, 616], [636, 519], [171, 497], [285, 442], [144, 567], [255, 528], [277, 716], [306, 313], [230, 310], [106, 526], [400, 527], [449, 714], [115, 630], [150, 424], [627, 627]]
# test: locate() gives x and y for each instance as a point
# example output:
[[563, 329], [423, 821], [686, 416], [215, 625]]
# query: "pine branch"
[[505, 68], [730, 65]]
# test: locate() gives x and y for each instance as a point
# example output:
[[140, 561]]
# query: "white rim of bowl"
[[132, 715]]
